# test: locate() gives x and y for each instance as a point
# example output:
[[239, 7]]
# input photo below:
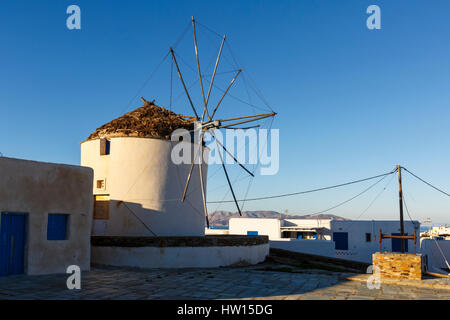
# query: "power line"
[[348, 200], [376, 198], [309, 191], [427, 183], [406, 207]]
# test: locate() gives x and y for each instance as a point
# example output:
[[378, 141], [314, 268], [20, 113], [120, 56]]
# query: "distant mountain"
[[221, 218]]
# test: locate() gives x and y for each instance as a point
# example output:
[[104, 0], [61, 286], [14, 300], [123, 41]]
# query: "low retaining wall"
[[179, 252], [293, 258], [317, 247], [393, 265]]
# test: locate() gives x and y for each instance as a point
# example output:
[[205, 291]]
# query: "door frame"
[[25, 234]]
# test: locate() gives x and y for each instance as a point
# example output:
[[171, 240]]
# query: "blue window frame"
[[57, 227], [105, 146], [340, 240], [108, 147], [252, 233]]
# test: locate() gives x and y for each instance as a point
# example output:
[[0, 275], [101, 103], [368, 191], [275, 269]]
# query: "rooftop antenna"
[[209, 124]]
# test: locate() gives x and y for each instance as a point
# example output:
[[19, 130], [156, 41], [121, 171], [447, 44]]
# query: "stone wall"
[[179, 252], [206, 241], [394, 265]]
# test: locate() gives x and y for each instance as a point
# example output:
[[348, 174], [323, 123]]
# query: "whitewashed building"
[[344, 239], [46, 217]]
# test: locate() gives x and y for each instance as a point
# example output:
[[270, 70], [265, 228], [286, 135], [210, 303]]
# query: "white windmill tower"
[[137, 187]]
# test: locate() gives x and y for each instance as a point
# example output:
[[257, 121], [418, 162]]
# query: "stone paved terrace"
[[264, 281]]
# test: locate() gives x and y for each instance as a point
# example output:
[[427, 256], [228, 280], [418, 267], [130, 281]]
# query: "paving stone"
[[224, 283]]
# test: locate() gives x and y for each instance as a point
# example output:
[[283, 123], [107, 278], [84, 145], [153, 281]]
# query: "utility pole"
[[400, 198]]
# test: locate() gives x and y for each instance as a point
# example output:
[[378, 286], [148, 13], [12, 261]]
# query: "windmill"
[[207, 123]]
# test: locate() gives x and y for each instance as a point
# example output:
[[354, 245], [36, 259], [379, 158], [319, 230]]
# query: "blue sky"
[[351, 102]]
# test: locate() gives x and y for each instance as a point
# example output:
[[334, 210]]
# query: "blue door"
[[12, 243], [340, 240], [397, 244]]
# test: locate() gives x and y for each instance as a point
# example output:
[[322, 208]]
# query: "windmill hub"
[[215, 124]]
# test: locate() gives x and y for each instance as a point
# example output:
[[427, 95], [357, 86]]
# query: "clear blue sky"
[[351, 102]]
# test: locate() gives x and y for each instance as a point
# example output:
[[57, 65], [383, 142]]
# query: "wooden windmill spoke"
[[205, 109], [187, 182], [243, 128], [249, 119], [214, 73], [250, 116], [202, 184], [223, 147], [228, 180], [182, 82], [225, 93], [217, 124], [186, 186]]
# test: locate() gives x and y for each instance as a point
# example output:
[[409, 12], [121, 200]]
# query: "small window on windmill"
[[368, 237], [105, 146], [101, 184]]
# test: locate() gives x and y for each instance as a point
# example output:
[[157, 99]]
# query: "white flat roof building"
[[346, 239]]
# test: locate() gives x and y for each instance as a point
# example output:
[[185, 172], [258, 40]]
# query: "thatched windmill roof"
[[149, 121]]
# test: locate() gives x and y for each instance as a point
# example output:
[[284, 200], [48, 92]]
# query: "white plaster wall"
[[179, 257], [318, 247], [265, 227], [359, 249], [435, 259], [210, 232], [39, 188], [145, 186], [307, 223]]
